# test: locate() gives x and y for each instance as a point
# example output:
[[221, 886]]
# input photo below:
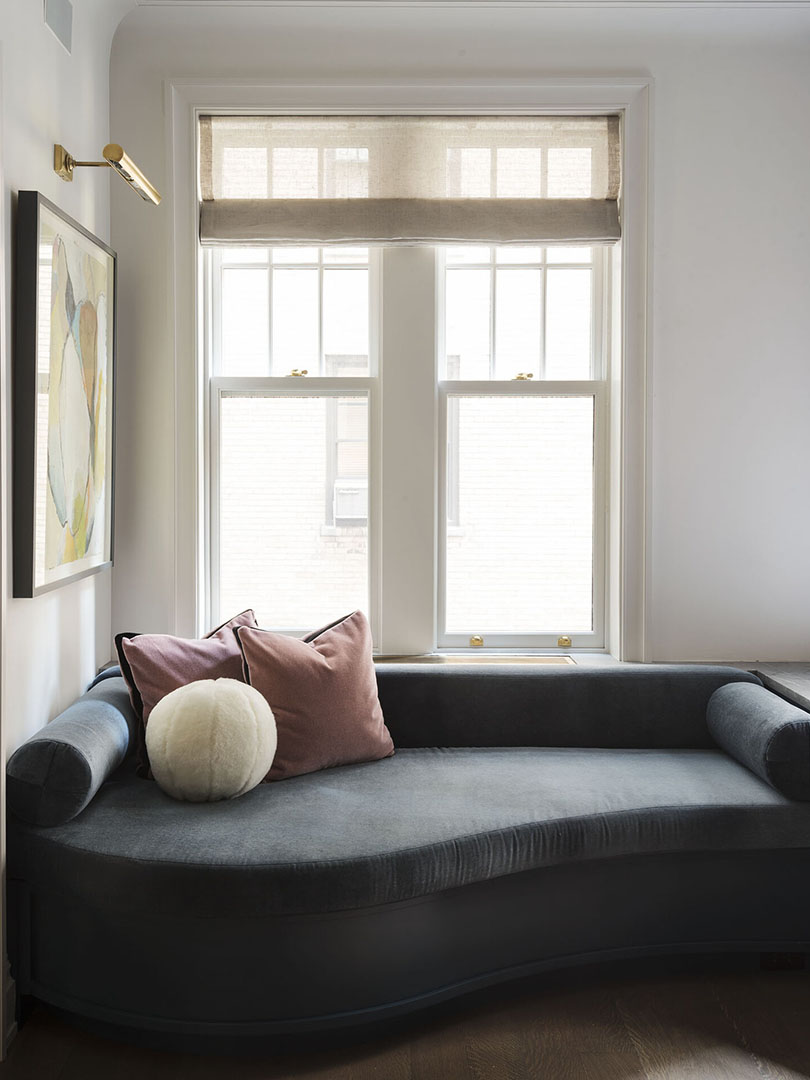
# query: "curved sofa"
[[531, 818]]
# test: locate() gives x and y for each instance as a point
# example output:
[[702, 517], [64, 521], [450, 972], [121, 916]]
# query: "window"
[[331, 367]]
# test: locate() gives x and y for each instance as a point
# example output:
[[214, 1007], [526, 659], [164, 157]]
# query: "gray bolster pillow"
[[53, 776], [767, 734]]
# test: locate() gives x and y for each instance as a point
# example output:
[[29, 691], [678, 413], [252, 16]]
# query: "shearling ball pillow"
[[212, 739]]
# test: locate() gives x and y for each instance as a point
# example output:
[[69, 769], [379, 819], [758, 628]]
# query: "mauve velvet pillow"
[[323, 693], [155, 664]]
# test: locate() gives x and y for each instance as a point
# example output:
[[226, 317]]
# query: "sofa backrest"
[[645, 706], [651, 706]]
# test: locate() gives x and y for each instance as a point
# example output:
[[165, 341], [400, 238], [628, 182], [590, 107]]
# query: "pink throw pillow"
[[323, 693], [155, 664]]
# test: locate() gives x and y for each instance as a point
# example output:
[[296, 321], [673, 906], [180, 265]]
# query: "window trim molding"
[[628, 630]]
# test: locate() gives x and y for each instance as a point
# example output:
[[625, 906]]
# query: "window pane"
[[463, 254], [345, 315], [518, 173], [279, 552], [467, 317], [469, 172], [569, 173], [518, 253], [295, 321], [556, 254], [286, 255], [518, 304], [295, 172], [520, 558], [244, 172], [236, 256], [568, 324], [245, 323], [345, 172], [345, 255]]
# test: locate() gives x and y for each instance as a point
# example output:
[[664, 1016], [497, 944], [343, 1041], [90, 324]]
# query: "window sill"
[[475, 656], [464, 658]]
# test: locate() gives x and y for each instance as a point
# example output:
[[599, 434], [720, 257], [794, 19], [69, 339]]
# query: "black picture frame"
[[63, 375]]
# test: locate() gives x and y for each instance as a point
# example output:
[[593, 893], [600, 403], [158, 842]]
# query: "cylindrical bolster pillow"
[[55, 774], [767, 734]]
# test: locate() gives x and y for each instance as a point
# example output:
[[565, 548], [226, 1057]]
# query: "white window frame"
[[391, 472], [409, 631]]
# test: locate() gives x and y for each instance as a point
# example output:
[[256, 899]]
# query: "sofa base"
[[232, 1037], [297, 974]]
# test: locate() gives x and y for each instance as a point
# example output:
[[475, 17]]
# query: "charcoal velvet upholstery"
[[767, 734], [420, 822], [530, 818], [54, 775], [631, 705], [624, 706]]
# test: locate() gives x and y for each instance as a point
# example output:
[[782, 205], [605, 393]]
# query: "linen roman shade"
[[317, 180]]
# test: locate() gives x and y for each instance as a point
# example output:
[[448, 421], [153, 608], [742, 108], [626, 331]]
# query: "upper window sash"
[[515, 313], [278, 311]]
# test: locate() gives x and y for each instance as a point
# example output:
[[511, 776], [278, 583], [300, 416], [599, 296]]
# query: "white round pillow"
[[212, 739]]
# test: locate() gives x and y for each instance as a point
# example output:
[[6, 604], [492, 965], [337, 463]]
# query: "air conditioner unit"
[[351, 500]]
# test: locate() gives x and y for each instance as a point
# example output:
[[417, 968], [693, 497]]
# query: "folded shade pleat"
[[409, 221]]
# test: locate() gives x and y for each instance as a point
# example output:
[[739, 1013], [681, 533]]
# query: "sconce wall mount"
[[114, 158]]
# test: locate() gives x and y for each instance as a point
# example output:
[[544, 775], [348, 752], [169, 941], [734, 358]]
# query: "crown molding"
[[637, 5]]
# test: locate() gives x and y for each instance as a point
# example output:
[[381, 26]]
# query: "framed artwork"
[[64, 391]]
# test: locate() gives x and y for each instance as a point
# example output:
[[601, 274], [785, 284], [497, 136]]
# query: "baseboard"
[[9, 1012]]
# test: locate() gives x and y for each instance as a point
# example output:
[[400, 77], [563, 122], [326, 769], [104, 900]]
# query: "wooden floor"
[[723, 1026]]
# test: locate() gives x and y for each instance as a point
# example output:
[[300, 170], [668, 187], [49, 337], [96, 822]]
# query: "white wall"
[[730, 441], [55, 643]]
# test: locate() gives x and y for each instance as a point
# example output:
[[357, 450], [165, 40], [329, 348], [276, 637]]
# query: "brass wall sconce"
[[114, 158]]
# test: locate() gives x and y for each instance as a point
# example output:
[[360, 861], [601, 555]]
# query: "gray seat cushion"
[[420, 822]]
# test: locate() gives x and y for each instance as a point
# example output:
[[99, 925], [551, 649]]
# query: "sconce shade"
[[126, 167], [114, 157]]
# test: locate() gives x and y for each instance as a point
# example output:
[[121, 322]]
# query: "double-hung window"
[[337, 355]]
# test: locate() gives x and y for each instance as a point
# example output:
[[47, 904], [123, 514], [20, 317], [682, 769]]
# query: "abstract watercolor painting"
[[63, 399]]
